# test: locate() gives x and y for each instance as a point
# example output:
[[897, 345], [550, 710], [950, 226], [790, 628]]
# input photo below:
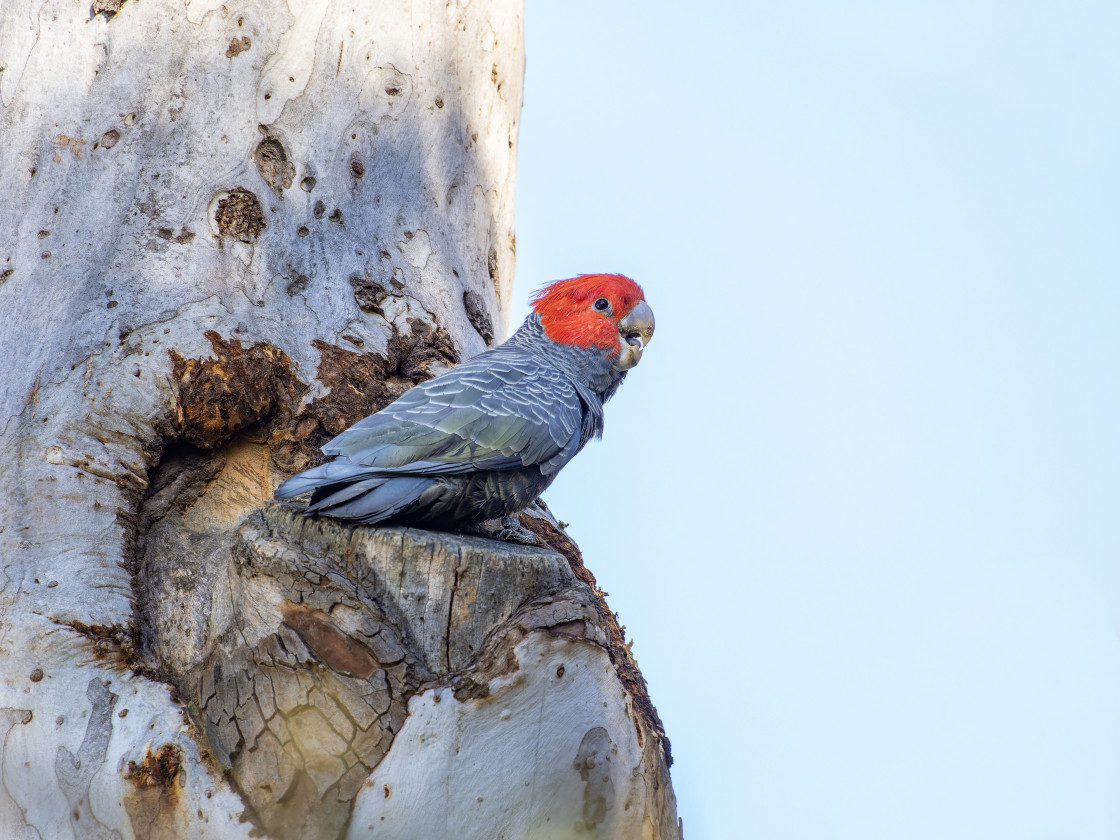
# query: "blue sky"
[[858, 504]]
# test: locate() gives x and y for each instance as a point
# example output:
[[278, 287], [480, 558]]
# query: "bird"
[[483, 440]]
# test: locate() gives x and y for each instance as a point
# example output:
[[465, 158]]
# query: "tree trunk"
[[226, 233]]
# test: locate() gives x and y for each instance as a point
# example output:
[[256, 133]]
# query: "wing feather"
[[503, 410]]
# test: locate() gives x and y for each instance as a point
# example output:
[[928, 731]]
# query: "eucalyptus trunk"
[[228, 231]]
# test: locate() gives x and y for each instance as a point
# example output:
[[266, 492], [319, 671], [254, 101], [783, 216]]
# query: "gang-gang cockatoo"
[[484, 439]]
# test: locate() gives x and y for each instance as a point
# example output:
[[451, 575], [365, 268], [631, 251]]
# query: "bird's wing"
[[505, 409]]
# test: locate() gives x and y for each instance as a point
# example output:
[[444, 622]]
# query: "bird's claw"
[[508, 530], [513, 531]]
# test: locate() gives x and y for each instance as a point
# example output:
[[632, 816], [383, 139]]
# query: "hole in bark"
[[236, 426], [211, 465]]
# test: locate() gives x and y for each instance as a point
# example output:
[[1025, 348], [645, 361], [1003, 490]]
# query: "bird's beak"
[[635, 330]]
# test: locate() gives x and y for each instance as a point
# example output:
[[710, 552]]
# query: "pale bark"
[[227, 232]]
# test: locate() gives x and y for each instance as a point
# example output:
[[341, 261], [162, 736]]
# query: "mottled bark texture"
[[227, 231]]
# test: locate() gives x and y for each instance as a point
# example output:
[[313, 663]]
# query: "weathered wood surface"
[[334, 648], [227, 232]]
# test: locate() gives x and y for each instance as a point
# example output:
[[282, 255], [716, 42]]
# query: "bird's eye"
[[602, 304]]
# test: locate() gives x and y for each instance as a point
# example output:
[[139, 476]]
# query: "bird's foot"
[[508, 530], [513, 531]]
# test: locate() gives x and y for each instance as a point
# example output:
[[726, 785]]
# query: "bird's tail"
[[349, 491], [332, 472]]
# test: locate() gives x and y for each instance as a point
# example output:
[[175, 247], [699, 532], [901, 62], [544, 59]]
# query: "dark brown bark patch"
[[359, 385], [368, 294], [363, 383], [239, 215], [183, 237], [238, 46], [111, 642], [339, 652], [106, 7], [234, 388], [153, 804], [157, 769]]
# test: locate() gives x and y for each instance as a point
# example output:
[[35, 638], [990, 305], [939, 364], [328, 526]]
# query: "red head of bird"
[[605, 311]]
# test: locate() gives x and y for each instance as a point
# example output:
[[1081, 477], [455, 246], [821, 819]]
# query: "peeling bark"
[[228, 233]]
